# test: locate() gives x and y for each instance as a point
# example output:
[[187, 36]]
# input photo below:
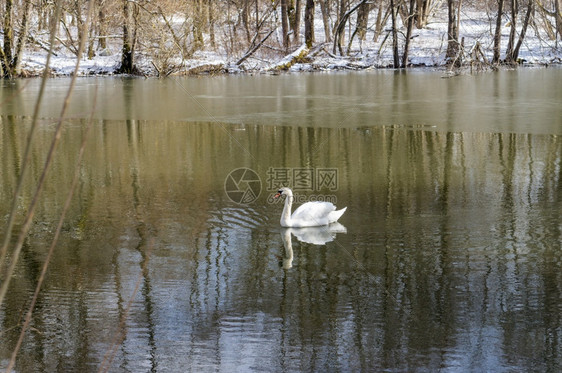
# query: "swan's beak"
[[277, 195]]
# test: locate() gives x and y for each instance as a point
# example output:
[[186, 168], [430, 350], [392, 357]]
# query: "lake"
[[172, 257]]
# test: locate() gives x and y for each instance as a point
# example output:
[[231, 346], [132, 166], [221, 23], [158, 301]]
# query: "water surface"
[[522, 101], [448, 259]]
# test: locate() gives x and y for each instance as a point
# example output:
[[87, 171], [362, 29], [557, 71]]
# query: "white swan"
[[310, 214]]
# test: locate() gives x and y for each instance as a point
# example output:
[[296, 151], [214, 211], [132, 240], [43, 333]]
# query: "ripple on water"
[[248, 341], [242, 217]]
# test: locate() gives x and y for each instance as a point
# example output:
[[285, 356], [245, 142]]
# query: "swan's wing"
[[315, 213], [335, 215]]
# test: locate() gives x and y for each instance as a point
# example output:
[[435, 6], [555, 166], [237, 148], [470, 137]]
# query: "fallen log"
[[298, 56]]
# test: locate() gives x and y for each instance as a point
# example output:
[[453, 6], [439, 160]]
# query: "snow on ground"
[[64, 64], [427, 48]]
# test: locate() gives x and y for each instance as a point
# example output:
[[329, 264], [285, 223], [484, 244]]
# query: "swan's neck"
[[286, 215]]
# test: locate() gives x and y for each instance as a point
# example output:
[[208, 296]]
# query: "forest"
[[163, 37]]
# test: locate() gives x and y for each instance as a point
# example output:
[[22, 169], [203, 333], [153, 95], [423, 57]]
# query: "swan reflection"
[[312, 235]]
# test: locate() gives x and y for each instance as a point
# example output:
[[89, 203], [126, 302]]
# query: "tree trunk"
[[211, 20], [198, 24], [452, 32], [246, 19], [409, 28], [498, 34], [22, 38], [339, 32], [102, 26], [295, 18], [394, 35], [10, 62], [361, 26], [363, 20], [257, 15], [509, 58], [8, 39], [558, 15], [284, 26], [326, 20], [128, 51], [378, 23], [91, 52], [309, 23], [530, 8], [422, 13]]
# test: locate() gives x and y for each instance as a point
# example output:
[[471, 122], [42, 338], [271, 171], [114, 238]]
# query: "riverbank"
[[427, 49]]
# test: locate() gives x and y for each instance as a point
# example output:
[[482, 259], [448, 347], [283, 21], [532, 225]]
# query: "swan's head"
[[284, 192]]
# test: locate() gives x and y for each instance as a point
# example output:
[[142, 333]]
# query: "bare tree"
[[361, 25], [513, 53], [452, 31], [325, 9], [294, 13], [10, 65], [22, 37], [514, 5], [410, 26], [340, 28], [423, 8], [198, 24], [245, 15], [102, 25], [558, 16], [7, 58], [396, 58], [284, 25], [211, 20], [242, 27], [129, 39], [309, 23], [380, 21], [498, 33]]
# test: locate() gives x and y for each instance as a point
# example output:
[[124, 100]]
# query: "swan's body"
[[310, 214]]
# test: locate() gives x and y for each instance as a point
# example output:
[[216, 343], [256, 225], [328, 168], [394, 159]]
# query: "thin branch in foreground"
[[30, 214], [25, 162], [56, 138], [54, 242]]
